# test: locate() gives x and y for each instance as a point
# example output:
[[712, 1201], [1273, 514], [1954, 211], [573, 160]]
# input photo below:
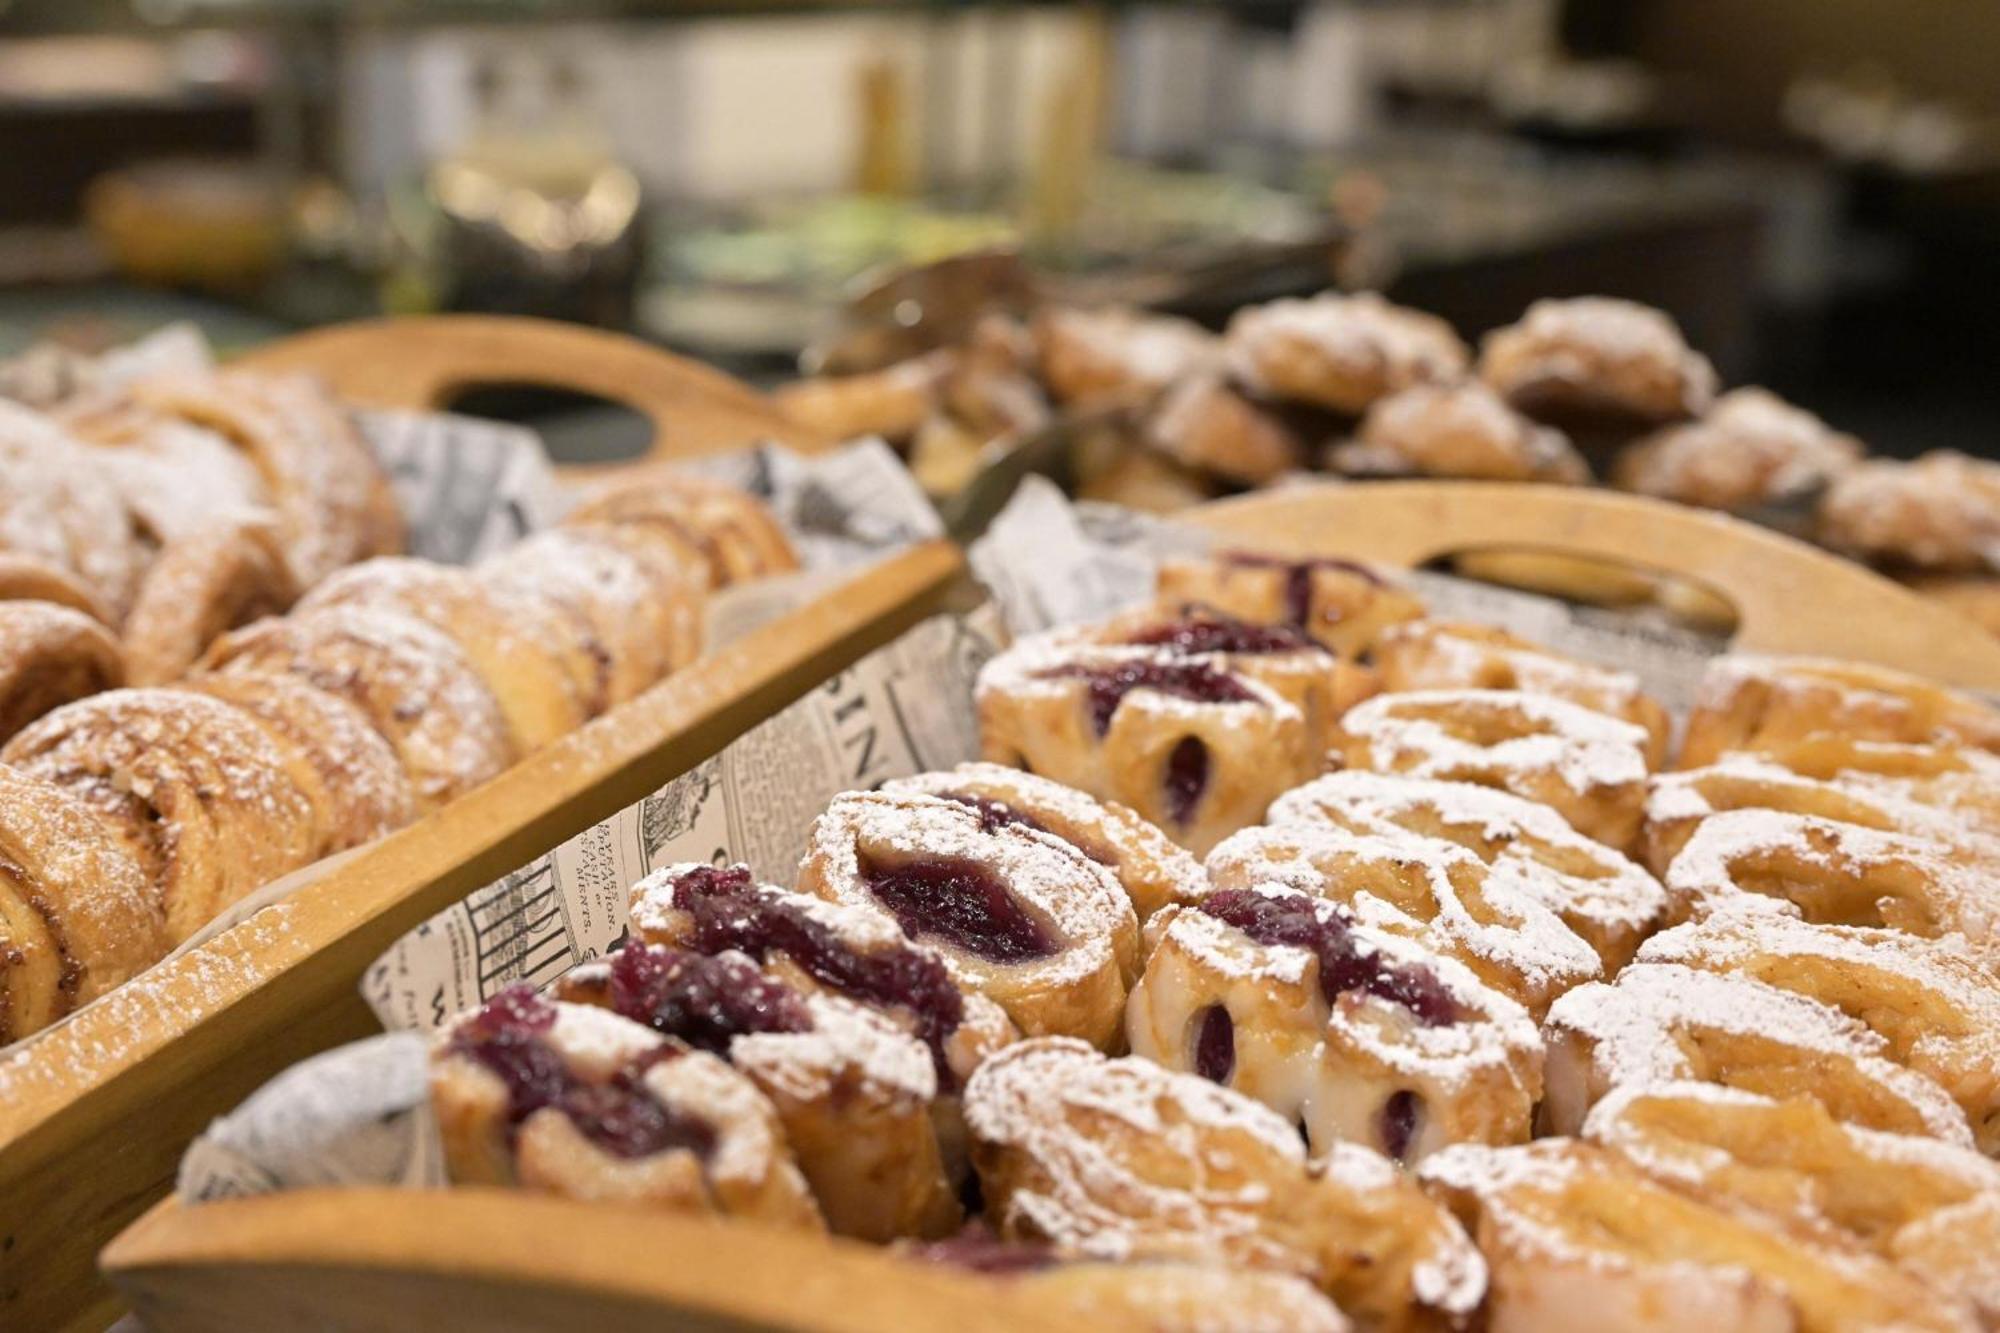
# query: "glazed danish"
[[1596, 360], [1020, 915], [77, 914], [1121, 1159], [1662, 1021], [51, 655], [727, 533], [1357, 1035], [1461, 430], [574, 1100], [1197, 747], [1757, 703], [1342, 604], [1607, 900], [199, 587], [1340, 352], [1586, 766]]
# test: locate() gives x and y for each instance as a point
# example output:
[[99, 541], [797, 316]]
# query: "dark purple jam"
[[730, 911], [1207, 631], [1186, 778], [1215, 1044], [1401, 1115], [1108, 685], [510, 1037], [1299, 577], [952, 898], [993, 815], [1344, 965], [976, 1249], [704, 1001]]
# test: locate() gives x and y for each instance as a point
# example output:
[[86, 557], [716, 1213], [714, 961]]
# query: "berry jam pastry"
[[1019, 915], [1752, 450], [1598, 361], [1357, 1035], [77, 913], [1662, 1021], [198, 588], [1834, 873], [1102, 357], [1757, 703], [1160, 1296], [1933, 1002], [1579, 1240], [1205, 424], [51, 655], [1598, 893], [1153, 869], [1464, 431], [1433, 892], [852, 1089], [1929, 1208], [1939, 512], [1588, 767], [1338, 602], [1191, 744], [1448, 655], [1121, 1159], [1340, 352], [727, 533], [574, 1100]]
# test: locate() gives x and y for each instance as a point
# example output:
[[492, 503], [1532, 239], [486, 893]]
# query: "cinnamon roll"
[[29, 579], [1426, 890], [1596, 358], [574, 1100], [1340, 352], [198, 588], [1608, 901], [530, 674], [1153, 870], [1579, 1240], [1191, 744], [1450, 655], [1099, 357], [1662, 1021], [1342, 604], [728, 534], [1752, 450], [77, 914], [51, 655], [1463, 431], [176, 478], [1588, 767], [1756, 703], [411, 681], [1357, 1035], [1932, 1002], [210, 804], [1022, 916], [1121, 1159]]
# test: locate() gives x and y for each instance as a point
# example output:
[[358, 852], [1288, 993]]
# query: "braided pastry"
[[725, 532], [51, 655], [1755, 703], [77, 915], [200, 587], [1340, 352]]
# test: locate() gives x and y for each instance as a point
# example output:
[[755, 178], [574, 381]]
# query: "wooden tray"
[[362, 1253], [95, 1114]]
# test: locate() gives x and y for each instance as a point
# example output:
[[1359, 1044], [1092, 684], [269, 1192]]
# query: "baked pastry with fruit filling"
[[51, 655], [1192, 744], [1752, 450], [1342, 604], [574, 1100], [1663, 1021], [1343, 353], [1929, 1208], [1449, 655], [1019, 915], [1357, 1035], [1463, 431], [1934, 1002], [1154, 870], [1588, 767], [1122, 1159], [852, 1090], [1598, 893], [1758, 703], [1595, 362], [1580, 1240]]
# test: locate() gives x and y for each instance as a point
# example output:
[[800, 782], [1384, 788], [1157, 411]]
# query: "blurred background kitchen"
[[1810, 187]]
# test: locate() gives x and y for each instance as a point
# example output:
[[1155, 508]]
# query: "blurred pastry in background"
[[1116, 355], [1340, 352], [1939, 514], [1109, 463], [1205, 424], [1752, 450], [892, 403], [1464, 431], [1596, 361]]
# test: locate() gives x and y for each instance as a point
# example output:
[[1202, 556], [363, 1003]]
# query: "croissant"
[[49, 656], [200, 587]]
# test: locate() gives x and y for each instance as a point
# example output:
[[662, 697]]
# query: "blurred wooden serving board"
[[95, 1113]]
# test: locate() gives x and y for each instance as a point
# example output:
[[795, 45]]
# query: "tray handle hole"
[[576, 428], [1599, 581]]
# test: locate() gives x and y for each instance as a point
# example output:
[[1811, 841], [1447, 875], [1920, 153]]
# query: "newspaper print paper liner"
[[903, 710]]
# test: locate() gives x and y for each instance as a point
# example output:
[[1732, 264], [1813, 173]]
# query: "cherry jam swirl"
[[1345, 963]]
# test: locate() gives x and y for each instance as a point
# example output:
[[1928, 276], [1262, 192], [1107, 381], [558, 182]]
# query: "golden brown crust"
[[51, 655], [1204, 423], [1115, 356], [1342, 604], [891, 403], [199, 588], [732, 535], [1596, 357], [1458, 431], [1761, 703], [1340, 352], [1939, 513]]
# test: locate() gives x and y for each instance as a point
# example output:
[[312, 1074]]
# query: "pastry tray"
[[95, 1113], [374, 1259]]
